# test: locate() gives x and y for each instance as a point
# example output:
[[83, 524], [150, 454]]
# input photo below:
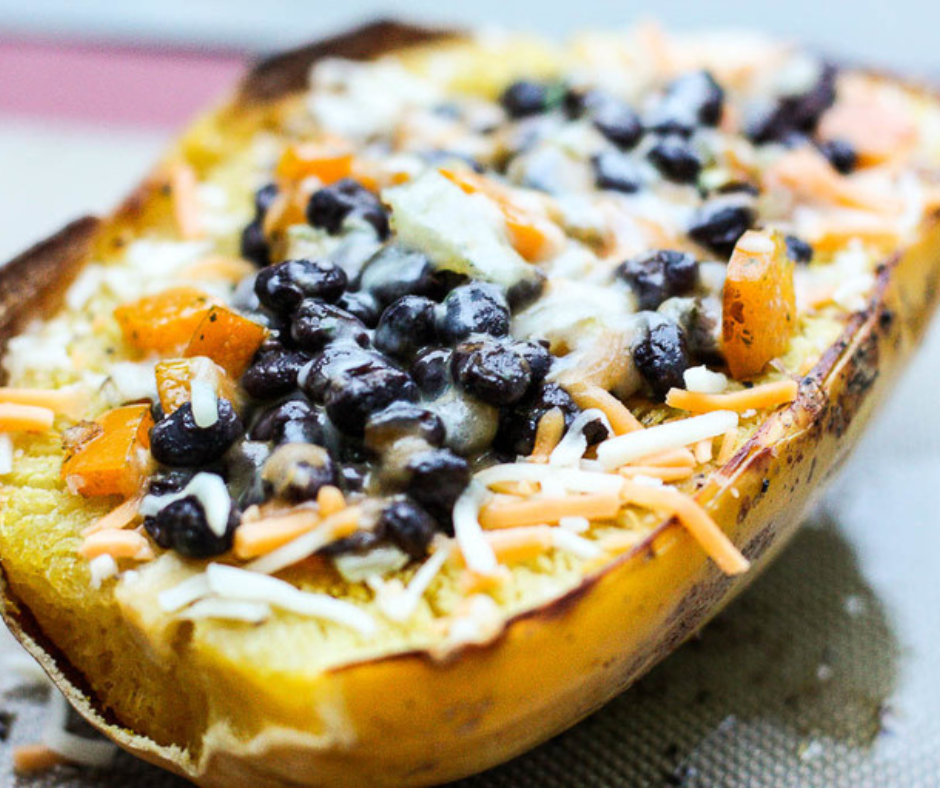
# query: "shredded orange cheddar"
[[25, 418], [70, 401], [548, 434], [669, 458], [621, 419], [693, 518], [261, 537], [117, 544], [533, 511], [186, 211], [728, 442], [667, 474], [118, 518], [328, 162], [767, 395], [35, 758], [514, 545], [330, 500]]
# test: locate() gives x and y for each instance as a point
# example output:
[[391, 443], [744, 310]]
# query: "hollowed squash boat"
[[437, 385]]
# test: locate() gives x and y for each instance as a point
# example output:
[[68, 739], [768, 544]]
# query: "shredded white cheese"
[[293, 552], [571, 447], [568, 479], [211, 492], [702, 380], [231, 583], [228, 610], [205, 403], [6, 453], [476, 550], [183, 594], [102, 567], [377, 562], [618, 451], [401, 606]]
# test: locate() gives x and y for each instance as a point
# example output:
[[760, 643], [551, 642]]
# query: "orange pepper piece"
[[229, 339], [176, 375], [759, 303], [328, 162], [112, 463], [165, 321]]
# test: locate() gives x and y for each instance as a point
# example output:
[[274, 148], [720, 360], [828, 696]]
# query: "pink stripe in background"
[[108, 86]]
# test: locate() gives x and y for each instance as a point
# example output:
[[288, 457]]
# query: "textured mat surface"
[[822, 675]]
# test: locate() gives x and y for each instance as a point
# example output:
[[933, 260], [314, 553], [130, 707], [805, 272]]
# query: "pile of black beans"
[[354, 371]]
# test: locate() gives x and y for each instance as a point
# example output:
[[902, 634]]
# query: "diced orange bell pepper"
[[113, 462], [229, 339], [329, 162], [176, 375], [163, 322], [529, 235], [759, 303]]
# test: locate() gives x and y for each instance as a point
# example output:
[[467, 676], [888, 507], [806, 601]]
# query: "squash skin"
[[437, 721]]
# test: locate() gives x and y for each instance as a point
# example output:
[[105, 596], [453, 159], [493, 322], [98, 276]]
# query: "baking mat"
[[823, 674]]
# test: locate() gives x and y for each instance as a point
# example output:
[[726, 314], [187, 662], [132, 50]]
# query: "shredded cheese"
[[259, 537], [570, 479], [401, 607], [332, 528], [186, 209], [596, 506], [621, 419], [767, 395], [694, 519], [572, 447], [547, 435], [70, 401], [702, 380], [119, 517], [231, 583], [102, 568], [25, 418], [117, 544], [474, 547], [622, 449], [211, 492], [6, 454], [228, 610], [205, 403]]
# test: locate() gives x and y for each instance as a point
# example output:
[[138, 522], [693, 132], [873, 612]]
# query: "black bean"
[[525, 98], [491, 371], [841, 155], [406, 326], [331, 206], [273, 372], [537, 356], [796, 113], [334, 365], [655, 276], [408, 525], [361, 395], [403, 420], [618, 123], [394, 272], [282, 287], [178, 441], [316, 324], [661, 357], [527, 290], [616, 172], [182, 526], [293, 421], [798, 250], [254, 245], [476, 308], [718, 225], [243, 464], [361, 305], [430, 370], [690, 100], [169, 480], [676, 159], [518, 423], [438, 477], [296, 472]]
